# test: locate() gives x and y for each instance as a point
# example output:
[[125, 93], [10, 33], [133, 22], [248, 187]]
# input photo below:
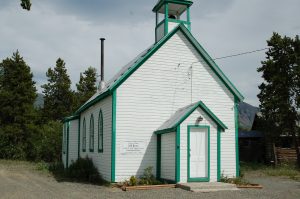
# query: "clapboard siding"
[[162, 85], [73, 141], [101, 160], [168, 156], [192, 120]]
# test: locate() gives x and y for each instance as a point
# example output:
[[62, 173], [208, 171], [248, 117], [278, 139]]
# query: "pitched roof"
[[132, 66], [179, 116]]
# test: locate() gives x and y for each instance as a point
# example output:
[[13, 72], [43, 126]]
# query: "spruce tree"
[[86, 87], [17, 96], [277, 92], [26, 4], [59, 98]]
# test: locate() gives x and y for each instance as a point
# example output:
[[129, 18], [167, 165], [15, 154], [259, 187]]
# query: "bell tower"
[[169, 14]]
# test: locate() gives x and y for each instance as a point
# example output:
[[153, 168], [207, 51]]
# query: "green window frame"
[[100, 132], [84, 136], [92, 136]]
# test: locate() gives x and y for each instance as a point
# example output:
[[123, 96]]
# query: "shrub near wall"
[[84, 170]]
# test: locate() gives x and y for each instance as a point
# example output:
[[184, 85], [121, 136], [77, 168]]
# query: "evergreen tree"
[[86, 87], [277, 92], [59, 97], [17, 95], [26, 4]]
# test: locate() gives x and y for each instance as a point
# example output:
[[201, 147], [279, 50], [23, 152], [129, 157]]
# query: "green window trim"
[[100, 132], [79, 137], [84, 136], [205, 179], [92, 134]]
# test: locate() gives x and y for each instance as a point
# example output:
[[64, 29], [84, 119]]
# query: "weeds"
[[237, 181], [283, 170], [146, 179]]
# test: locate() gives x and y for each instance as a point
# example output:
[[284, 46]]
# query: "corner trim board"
[[158, 156], [177, 158], [67, 155], [113, 138], [236, 118], [219, 154]]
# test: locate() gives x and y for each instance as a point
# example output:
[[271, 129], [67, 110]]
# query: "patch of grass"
[[42, 166], [237, 181], [283, 170]]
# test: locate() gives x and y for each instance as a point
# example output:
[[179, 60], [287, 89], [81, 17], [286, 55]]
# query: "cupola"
[[169, 14]]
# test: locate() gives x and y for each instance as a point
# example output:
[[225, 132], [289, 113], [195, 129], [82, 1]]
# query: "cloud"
[[71, 29]]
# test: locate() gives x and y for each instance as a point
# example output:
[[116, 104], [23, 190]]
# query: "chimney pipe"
[[102, 58], [102, 83]]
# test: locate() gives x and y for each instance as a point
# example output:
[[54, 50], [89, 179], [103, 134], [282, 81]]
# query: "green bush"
[[83, 170], [146, 179], [133, 181], [12, 143]]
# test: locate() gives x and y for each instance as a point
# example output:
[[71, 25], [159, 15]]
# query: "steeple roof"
[[175, 5]]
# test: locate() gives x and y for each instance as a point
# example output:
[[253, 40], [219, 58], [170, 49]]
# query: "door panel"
[[198, 153]]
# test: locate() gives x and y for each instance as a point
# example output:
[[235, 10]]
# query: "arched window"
[[84, 136], [100, 132], [92, 133]]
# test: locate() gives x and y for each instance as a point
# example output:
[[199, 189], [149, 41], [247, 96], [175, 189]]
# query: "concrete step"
[[214, 190], [207, 187]]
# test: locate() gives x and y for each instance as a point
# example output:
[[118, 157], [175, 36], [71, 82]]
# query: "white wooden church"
[[171, 108]]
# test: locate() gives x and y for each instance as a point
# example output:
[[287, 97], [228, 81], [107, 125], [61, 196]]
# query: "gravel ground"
[[24, 182]]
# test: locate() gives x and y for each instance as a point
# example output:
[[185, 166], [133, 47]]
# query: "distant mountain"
[[39, 101], [247, 114]]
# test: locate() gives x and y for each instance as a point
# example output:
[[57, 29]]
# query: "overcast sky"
[[71, 29]]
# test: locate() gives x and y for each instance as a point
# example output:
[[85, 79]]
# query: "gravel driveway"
[[19, 182]]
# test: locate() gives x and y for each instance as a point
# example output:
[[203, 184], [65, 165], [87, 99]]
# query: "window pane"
[[92, 133], [84, 135]]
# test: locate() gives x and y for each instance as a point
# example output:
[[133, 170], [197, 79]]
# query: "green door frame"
[[200, 179]]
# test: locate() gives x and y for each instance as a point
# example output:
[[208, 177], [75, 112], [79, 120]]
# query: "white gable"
[[173, 77]]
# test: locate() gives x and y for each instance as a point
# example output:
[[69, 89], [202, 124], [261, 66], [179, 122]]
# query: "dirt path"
[[19, 181]]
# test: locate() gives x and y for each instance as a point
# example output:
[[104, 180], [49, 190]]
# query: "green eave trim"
[[164, 131], [203, 107], [162, 2], [68, 119], [94, 101]]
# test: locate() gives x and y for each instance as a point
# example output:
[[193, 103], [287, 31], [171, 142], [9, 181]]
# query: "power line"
[[239, 54]]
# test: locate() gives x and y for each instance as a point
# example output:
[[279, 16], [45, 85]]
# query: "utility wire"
[[239, 54]]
